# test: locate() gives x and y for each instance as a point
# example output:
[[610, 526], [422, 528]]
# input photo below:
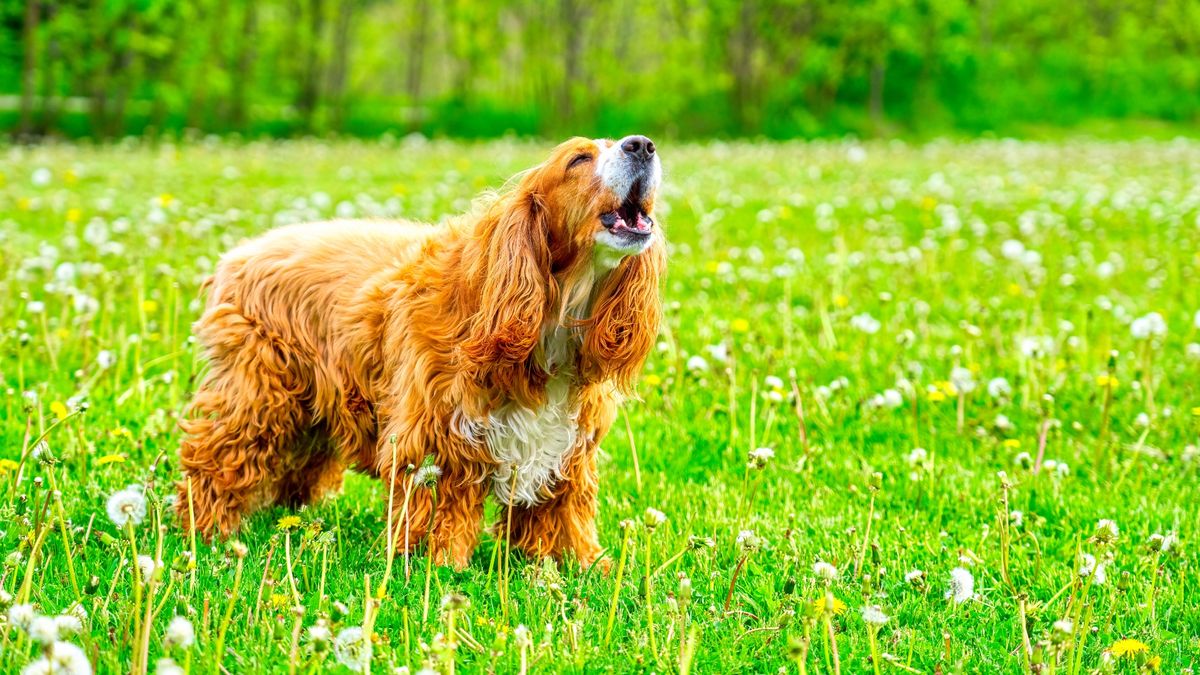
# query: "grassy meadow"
[[915, 409]]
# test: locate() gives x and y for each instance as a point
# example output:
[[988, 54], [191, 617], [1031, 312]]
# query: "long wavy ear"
[[624, 323], [513, 297]]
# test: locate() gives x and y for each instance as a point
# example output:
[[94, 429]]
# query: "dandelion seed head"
[[873, 615], [126, 507], [962, 585], [180, 633], [825, 571]]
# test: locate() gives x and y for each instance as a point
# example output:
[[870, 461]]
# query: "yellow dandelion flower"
[[929, 203], [166, 199], [1012, 442], [24, 203], [280, 600], [74, 214], [110, 459], [1196, 411], [1154, 662], [1106, 380], [936, 396], [1128, 647], [288, 523], [70, 177], [7, 465], [841, 356], [1015, 290], [740, 325], [62, 333], [149, 306], [59, 410], [841, 301], [652, 380], [838, 607]]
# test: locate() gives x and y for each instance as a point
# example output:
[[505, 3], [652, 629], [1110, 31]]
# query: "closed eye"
[[579, 159]]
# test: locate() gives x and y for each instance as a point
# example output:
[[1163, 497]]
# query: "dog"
[[497, 345]]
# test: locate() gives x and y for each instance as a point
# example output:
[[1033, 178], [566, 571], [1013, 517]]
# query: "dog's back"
[[289, 278]]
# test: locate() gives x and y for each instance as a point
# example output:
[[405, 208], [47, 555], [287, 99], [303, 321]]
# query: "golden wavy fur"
[[367, 343]]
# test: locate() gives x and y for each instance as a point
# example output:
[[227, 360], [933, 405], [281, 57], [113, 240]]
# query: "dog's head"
[[577, 231], [598, 197]]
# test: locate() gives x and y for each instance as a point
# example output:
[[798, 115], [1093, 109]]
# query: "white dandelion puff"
[[350, 649], [167, 666], [127, 507], [874, 615], [21, 616], [180, 633], [998, 387], [824, 570], [962, 585], [60, 658], [1152, 325], [43, 629]]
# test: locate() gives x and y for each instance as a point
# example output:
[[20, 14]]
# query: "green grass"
[[777, 253]]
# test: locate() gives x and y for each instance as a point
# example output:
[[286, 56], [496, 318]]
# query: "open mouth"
[[629, 220]]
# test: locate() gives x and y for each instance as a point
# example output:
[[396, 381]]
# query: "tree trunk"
[[340, 65], [741, 66], [306, 104], [573, 16], [875, 99], [50, 98], [126, 78], [416, 61], [98, 80], [28, 65], [245, 64]]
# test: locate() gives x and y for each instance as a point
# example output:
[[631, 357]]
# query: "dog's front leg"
[[440, 503], [565, 523], [457, 519]]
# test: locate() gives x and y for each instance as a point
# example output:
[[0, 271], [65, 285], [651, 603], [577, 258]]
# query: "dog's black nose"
[[638, 147]]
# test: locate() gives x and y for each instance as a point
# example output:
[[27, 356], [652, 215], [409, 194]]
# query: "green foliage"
[[681, 68], [889, 278]]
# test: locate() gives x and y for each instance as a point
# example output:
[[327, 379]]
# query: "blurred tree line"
[[777, 68]]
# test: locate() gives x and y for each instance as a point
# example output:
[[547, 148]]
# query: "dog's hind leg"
[[243, 419]]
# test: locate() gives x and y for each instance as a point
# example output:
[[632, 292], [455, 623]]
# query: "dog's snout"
[[638, 147]]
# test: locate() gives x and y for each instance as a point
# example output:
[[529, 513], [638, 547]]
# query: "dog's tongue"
[[643, 223]]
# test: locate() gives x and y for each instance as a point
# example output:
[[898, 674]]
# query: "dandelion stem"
[[391, 520], [429, 553], [62, 525], [862, 552], [871, 639], [737, 570], [287, 559], [637, 468], [833, 648], [193, 564], [649, 599], [612, 607], [219, 652]]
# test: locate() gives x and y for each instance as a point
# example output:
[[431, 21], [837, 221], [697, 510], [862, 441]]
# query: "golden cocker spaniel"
[[499, 343]]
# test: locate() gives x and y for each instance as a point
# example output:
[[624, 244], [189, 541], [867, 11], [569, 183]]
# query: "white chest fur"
[[530, 445]]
